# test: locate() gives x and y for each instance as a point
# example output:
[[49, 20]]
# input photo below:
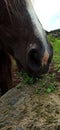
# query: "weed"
[[28, 79], [51, 84], [37, 91], [50, 88], [19, 86]]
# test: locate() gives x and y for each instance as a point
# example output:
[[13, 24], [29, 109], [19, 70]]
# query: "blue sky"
[[48, 12]]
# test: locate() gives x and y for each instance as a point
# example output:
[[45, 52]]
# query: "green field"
[[56, 48]]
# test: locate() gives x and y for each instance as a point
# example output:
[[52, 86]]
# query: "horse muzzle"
[[38, 59]]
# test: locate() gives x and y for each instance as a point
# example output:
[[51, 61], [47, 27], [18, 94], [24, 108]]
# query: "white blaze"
[[38, 29]]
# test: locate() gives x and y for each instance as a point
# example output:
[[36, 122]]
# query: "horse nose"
[[34, 58], [38, 59]]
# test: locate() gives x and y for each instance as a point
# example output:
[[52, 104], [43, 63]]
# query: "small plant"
[[52, 83], [28, 79], [37, 91], [19, 86], [19, 74], [43, 83], [50, 88]]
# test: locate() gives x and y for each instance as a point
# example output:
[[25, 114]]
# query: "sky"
[[48, 12]]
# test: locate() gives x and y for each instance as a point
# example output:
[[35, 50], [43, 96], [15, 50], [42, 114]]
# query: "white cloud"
[[47, 11]]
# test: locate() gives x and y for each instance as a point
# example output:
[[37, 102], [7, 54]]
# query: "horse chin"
[[39, 73]]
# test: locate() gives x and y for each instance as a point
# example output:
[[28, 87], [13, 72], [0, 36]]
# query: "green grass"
[[56, 47], [48, 82]]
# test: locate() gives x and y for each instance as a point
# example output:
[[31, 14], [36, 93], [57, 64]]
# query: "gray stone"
[[23, 109]]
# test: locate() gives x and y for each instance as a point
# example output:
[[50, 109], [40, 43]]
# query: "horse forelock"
[[9, 10], [15, 6]]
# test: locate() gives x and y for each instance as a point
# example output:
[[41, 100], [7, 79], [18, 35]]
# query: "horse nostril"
[[34, 61]]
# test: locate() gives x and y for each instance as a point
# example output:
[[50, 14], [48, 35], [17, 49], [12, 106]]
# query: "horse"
[[22, 37]]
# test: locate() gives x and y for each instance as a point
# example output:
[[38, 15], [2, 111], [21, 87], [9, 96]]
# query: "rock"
[[23, 109], [19, 128]]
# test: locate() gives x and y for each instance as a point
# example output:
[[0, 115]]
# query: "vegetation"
[[47, 83], [56, 47]]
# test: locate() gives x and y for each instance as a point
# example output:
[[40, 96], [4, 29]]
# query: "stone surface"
[[23, 109]]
